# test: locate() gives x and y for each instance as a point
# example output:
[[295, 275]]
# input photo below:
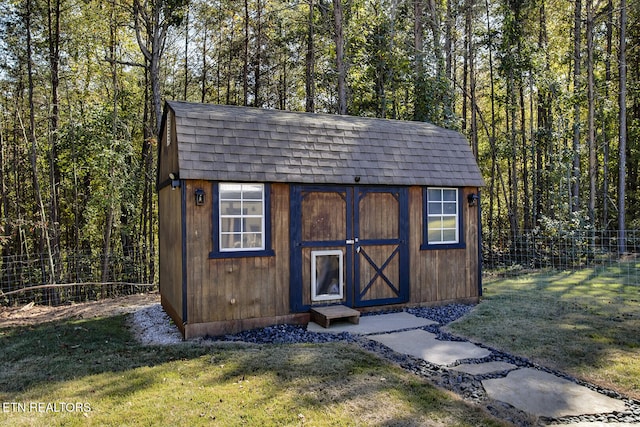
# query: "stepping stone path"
[[530, 390], [484, 368], [546, 395], [424, 345]]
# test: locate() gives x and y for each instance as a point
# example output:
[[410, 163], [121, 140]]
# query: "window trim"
[[217, 252], [426, 245]]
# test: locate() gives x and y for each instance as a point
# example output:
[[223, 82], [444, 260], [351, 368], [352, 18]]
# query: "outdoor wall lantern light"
[[472, 199], [199, 197], [175, 182]]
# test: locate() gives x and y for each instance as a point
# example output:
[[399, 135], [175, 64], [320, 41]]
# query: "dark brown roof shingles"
[[226, 143]]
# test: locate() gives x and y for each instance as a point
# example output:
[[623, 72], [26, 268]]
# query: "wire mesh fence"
[[563, 250], [76, 277], [62, 278]]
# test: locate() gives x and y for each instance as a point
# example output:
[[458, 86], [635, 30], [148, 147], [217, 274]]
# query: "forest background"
[[539, 87]]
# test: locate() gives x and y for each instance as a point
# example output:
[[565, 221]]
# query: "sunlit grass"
[[117, 382], [585, 322]]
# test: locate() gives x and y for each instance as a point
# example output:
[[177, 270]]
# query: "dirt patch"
[[31, 314]]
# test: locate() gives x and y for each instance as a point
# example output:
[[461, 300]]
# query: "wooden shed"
[[266, 214]]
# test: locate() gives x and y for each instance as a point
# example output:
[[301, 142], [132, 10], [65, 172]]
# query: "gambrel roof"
[[227, 143]]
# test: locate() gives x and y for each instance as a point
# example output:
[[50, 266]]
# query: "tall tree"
[[338, 17], [53, 26], [591, 132], [577, 93], [152, 20], [622, 143], [45, 242], [245, 56], [420, 81], [310, 61]]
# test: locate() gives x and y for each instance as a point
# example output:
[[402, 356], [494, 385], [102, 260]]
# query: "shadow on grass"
[[65, 350], [342, 379], [231, 384], [585, 322]]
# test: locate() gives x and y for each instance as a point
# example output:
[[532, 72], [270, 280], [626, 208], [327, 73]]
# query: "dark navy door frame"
[[401, 251], [297, 244], [353, 246]]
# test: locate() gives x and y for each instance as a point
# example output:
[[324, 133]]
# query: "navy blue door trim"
[[401, 250], [295, 284], [353, 293]]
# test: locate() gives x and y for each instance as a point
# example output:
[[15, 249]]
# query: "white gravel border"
[[152, 326]]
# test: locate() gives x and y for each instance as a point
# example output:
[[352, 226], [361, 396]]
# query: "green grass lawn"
[[586, 323], [97, 365]]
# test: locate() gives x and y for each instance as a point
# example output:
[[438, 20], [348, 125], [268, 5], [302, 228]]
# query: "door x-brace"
[[379, 271]]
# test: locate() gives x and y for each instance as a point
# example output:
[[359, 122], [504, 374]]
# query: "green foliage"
[[524, 101]]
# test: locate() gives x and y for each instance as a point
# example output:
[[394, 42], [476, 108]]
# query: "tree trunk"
[[575, 175], [443, 107], [591, 116], [245, 58], [151, 31], [607, 122], [542, 146], [205, 67], [420, 106], [465, 69], [310, 64], [108, 222], [622, 144], [448, 42], [186, 56], [513, 132], [472, 77], [257, 99], [31, 137], [526, 209], [54, 168], [339, 41], [492, 137]]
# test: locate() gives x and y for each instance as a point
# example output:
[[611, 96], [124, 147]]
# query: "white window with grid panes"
[[242, 217], [442, 216]]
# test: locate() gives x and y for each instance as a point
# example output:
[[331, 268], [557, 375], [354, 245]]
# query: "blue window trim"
[[215, 219], [425, 232]]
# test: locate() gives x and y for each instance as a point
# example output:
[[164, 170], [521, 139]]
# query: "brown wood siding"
[[442, 275], [280, 241], [236, 288], [227, 293], [324, 216], [168, 162], [378, 216], [379, 288], [378, 219], [170, 248], [471, 231]]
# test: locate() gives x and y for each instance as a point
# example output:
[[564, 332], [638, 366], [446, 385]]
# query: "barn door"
[[381, 254], [348, 246]]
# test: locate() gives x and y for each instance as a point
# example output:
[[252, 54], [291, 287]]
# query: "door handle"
[[358, 249], [350, 241]]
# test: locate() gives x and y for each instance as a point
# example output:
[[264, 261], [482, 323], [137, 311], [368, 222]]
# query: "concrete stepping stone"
[[374, 324], [424, 345], [484, 368], [546, 395]]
